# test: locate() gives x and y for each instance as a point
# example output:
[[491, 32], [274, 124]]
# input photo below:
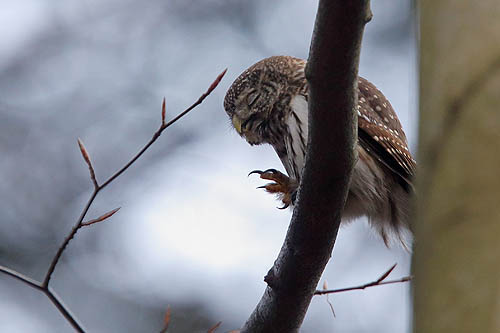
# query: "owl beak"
[[237, 124]]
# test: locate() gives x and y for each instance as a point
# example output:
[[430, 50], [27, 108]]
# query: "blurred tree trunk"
[[457, 256]]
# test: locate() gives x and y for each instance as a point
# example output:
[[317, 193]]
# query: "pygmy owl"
[[267, 103]]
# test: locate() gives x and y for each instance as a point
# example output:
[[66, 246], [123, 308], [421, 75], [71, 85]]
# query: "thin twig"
[[163, 127], [23, 278], [372, 284], [325, 287], [331, 306], [49, 293], [44, 286], [63, 310], [156, 135], [68, 238], [379, 282]]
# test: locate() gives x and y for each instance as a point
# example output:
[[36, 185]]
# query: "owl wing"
[[381, 133]]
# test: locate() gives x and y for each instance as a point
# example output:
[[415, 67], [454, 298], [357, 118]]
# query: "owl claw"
[[260, 172], [282, 185], [285, 206]]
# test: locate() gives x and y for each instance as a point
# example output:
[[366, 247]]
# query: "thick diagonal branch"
[[332, 72]]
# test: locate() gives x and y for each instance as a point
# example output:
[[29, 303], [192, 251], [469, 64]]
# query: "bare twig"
[[68, 238], [44, 286], [379, 282], [156, 135], [331, 306], [163, 127], [48, 292], [23, 278], [364, 286], [70, 317], [325, 287]]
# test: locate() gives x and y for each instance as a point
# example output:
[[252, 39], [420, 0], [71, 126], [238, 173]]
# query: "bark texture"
[[332, 73], [457, 256]]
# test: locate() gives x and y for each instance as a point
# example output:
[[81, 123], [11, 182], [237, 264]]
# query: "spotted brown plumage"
[[267, 103], [381, 132]]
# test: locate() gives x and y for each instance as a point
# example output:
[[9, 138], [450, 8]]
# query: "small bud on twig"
[[163, 112], [195, 104], [86, 157], [386, 274], [84, 151], [44, 286], [216, 81], [102, 217], [214, 328], [166, 321]]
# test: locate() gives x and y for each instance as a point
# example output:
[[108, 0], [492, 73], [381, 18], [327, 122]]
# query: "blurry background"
[[193, 232]]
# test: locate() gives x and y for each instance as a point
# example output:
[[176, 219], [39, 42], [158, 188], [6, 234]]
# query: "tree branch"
[[44, 286], [21, 277], [363, 286], [379, 282], [332, 73]]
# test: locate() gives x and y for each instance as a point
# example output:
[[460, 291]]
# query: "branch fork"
[[44, 286]]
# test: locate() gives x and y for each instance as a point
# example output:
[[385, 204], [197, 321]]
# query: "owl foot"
[[283, 186]]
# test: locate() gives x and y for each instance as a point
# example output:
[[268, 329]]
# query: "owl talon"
[[285, 206], [282, 185], [260, 172]]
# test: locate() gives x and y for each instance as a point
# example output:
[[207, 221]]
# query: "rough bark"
[[457, 280], [332, 72]]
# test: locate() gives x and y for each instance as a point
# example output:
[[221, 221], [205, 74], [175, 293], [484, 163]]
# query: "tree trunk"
[[333, 62], [457, 256]]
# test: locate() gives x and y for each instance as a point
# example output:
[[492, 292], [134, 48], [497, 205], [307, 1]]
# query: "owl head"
[[261, 95]]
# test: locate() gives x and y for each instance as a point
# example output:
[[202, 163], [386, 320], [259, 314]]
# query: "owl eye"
[[253, 97], [249, 121]]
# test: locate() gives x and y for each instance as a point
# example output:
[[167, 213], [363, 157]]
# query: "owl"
[[268, 104]]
